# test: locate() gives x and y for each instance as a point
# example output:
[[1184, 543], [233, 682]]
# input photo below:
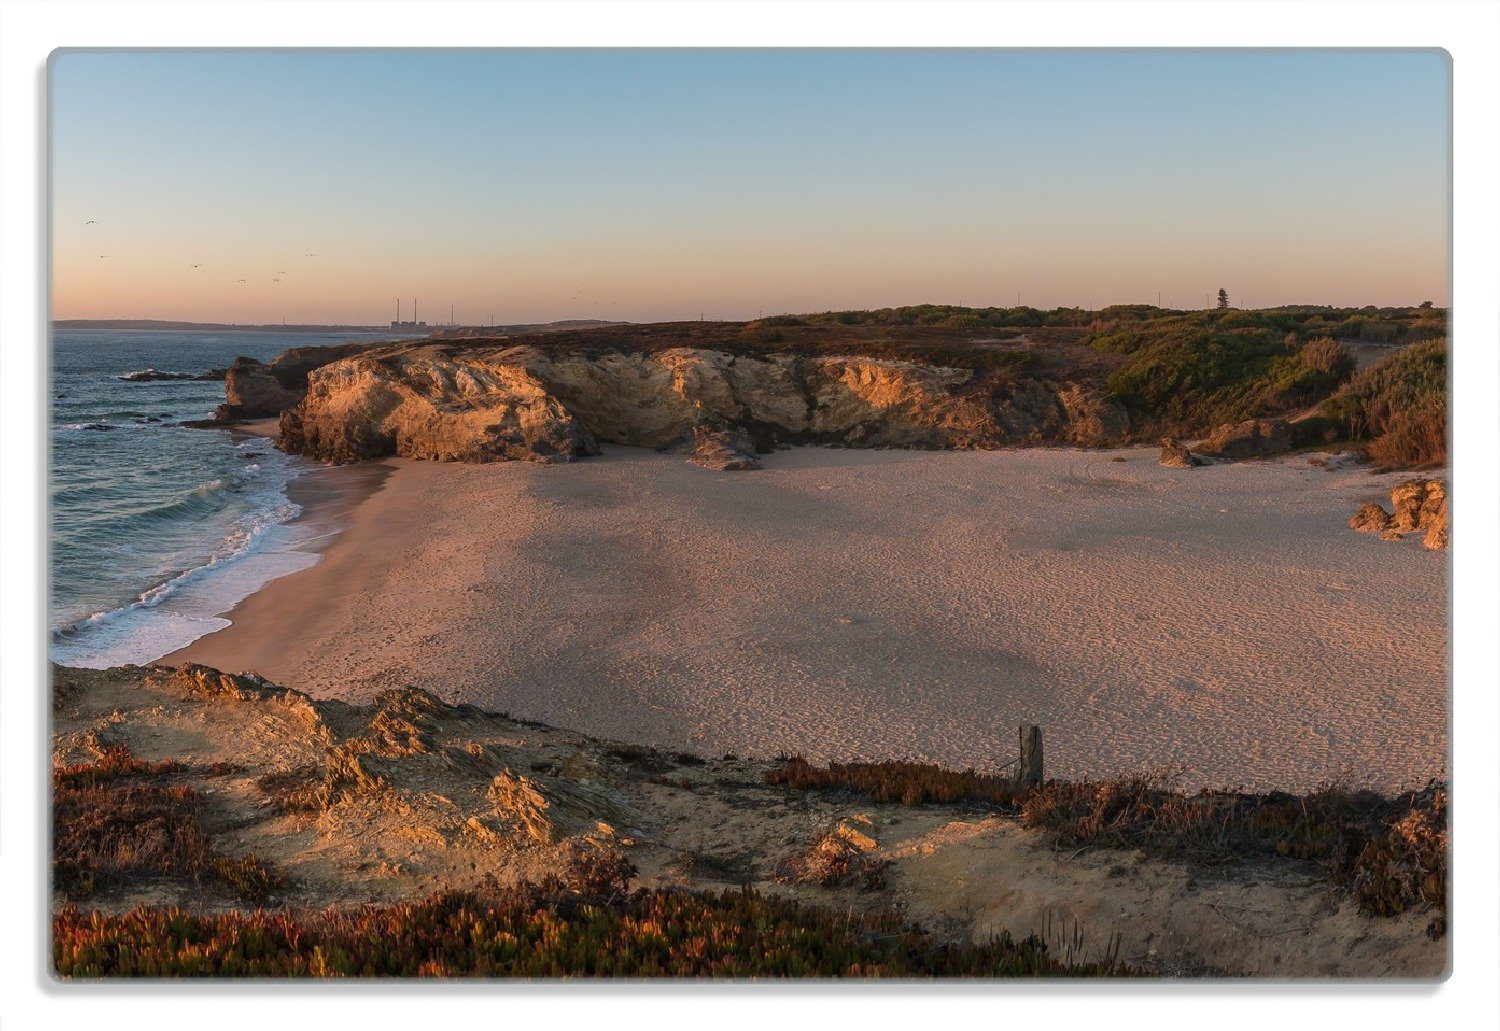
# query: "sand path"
[[884, 604]]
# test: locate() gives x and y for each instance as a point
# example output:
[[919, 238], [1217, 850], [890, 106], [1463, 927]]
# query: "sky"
[[525, 186]]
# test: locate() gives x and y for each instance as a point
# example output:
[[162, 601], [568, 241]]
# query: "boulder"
[[723, 450], [1419, 505], [1415, 502], [1175, 455], [1437, 529], [1253, 438], [1370, 518]]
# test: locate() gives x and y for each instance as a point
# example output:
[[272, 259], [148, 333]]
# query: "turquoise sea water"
[[156, 529]]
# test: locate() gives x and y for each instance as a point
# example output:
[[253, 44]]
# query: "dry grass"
[[1327, 355], [1389, 853], [123, 820], [842, 856], [1413, 439], [907, 783], [1399, 405]]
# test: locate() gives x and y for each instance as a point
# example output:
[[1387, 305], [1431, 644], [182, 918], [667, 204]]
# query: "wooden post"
[[1030, 774]]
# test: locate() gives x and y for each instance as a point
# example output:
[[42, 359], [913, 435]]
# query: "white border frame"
[[1469, 31]]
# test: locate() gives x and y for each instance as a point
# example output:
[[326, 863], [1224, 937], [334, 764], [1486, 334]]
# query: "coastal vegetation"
[[121, 820], [452, 841], [536, 931], [1389, 853], [1399, 406]]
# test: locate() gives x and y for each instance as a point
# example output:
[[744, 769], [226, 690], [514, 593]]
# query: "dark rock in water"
[[202, 424], [152, 375], [1175, 455], [155, 375], [1253, 438], [723, 450], [98, 426]]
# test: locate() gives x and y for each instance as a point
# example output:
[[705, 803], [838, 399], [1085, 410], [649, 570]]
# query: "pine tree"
[[1223, 298]]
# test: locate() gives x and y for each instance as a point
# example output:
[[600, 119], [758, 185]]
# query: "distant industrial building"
[[407, 327]]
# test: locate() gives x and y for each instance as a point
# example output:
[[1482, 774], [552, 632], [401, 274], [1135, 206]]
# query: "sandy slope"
[[886, 603], [434, 822]]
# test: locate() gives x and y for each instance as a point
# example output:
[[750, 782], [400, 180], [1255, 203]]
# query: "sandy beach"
[[880, 604]]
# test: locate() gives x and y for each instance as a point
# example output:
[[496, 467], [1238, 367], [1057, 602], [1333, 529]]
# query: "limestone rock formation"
[[1419, 505], [1253, 438], [422, 404], [1175, 455], [1093, 421], [257, 390], [722, 450], [487, 402], [1370, 518]]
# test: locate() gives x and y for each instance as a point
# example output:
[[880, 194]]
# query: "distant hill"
[[217, 326], [518, 329], [277, 327]]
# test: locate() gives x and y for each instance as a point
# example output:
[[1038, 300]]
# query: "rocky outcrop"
[[483, 403], [256, 390], [1253, 438], [1419, 505], [157, 375], [1093, 420], [421, 404], [1175, 454], [723, 450]]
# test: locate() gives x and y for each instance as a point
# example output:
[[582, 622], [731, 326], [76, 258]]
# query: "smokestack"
[[398, 309]]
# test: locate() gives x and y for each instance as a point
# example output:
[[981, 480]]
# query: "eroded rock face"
[[1253, 438], [455, 402], [1093, 421], [258, 390], [423, 405], [1175, 455], [1419, 505]]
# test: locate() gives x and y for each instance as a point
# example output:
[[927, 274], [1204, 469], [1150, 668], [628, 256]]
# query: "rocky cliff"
[[495, 402], [254, 389]]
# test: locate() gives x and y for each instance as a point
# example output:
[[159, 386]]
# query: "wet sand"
[[845, 604]]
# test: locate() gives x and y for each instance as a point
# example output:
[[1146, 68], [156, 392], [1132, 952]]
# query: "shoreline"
[[327, 496], [881, 604]]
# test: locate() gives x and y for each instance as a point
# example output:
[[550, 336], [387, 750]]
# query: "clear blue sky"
[[660, 184]]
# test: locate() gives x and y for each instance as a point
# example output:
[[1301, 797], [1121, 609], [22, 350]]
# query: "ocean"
[[156, 529]]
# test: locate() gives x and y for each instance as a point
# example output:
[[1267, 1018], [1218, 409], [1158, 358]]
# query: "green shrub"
[[1399, 405]]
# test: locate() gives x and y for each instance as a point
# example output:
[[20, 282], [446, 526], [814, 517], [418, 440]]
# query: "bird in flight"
[[92, 222], [195, 266], [309, 255], [275, 280], [101, 255], [239, 280]]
